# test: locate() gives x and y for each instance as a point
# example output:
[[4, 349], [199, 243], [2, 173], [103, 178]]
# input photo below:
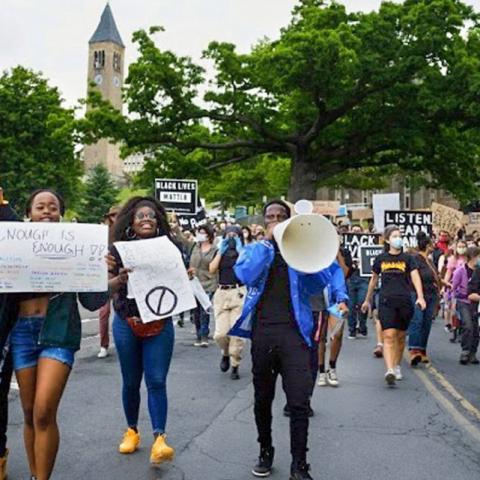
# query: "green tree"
[[99, 194], [335, 92], [36, 138]]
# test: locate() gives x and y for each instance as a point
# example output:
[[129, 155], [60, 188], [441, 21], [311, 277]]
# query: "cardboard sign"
[[367, 259], [410, 223], [353, 241], [326, 208], [159, 281], [53, 257], [362, 214], [446, 218], [180, 196], [382, 202]]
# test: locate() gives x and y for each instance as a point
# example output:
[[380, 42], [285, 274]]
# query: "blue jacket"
[[252, 269]]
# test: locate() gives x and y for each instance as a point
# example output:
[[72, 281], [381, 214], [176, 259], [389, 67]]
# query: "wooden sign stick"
[[2, 200]]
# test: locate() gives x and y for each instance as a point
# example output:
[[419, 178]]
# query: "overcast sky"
[[52, 35]]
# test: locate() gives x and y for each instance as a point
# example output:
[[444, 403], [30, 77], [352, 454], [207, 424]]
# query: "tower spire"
[[107, 29]]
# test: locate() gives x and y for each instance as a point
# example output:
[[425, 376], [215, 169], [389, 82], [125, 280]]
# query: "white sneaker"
[[332, 379], [390, 377], [103, 353], [398, 373], [322, 380]]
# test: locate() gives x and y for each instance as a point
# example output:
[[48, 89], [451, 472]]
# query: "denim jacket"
[[252, 269]]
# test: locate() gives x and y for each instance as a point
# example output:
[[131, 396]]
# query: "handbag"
[[145, 330]]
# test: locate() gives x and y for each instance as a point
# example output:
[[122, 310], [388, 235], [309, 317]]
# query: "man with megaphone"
[[281, 273]]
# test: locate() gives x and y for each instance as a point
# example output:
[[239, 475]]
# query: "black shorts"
[[395, 313]]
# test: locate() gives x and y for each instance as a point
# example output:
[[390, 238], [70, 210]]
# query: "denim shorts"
[[26, 350]]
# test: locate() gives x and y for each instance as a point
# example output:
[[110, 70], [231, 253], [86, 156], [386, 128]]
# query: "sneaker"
[[197, 343], [332, 379], [130, 442], [390, 377], [473, 359], [448, 328], [234, 375], [415, 358], [465, 358], [103, 353], [425, 358], [322, 380], [378, 352], [263, 468], [161, 452], [204, 343], [352, 336], [398, 373], [299, 471], [180, 323], [225, 364], [3, 466], [364, 333]]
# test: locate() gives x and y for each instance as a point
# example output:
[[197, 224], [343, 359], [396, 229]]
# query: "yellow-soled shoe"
[[130, 442], [161, 452], [3, 466]]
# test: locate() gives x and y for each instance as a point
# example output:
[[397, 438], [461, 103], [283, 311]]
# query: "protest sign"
[[326, 208], [53, 257], [367, 259], [362, 214], [382, 202], [472, 222], [159, 281], [446, 218], [353, 241], [192, 221], [180, 196], [410, 223]]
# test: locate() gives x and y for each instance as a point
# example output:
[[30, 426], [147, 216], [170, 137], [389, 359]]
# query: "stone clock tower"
[[105, 69]]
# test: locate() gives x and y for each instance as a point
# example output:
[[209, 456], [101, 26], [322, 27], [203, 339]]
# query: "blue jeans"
[[421, 323], [150, 355], [357, 292], [202, 320]]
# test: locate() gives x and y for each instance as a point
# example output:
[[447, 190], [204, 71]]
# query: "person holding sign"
[[143, 348], [397, 269], [43, 342]]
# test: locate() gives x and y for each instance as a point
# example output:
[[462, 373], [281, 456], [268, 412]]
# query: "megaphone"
[[308, 242]]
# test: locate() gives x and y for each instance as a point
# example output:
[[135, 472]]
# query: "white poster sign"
[[159, 281], [53, 257], [382, 202]]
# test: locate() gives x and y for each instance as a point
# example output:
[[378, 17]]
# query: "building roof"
[[107, 29]]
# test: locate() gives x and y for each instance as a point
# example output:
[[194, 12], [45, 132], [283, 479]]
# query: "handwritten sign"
[[382, 202], [53, 257], [446, 218], [159, 281], [410, 223], [331, 208]]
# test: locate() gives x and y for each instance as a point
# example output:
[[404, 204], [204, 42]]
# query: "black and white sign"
[[367, 259], [192, 221], [410, 224], [180, 196], [353, 241]]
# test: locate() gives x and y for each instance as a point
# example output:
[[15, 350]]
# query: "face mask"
[[397, 243], [202, 237], [461, 250], [443, 238], [232, 243]]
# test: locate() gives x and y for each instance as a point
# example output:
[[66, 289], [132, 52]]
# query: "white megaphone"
[[308, 242]]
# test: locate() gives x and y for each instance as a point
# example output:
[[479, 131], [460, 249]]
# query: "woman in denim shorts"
[[43, 343]]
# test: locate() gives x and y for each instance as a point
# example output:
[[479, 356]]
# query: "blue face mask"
[[397, 243]]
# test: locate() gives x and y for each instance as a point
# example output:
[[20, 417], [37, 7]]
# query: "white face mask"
[[201, 237]]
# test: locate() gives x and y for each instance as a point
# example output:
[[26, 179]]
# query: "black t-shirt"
[[428, 275], [275, 305], [395, 271], [474, 286], [226, 274]]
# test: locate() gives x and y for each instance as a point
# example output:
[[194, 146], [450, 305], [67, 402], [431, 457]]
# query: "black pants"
[[279, 349], [6, 370]]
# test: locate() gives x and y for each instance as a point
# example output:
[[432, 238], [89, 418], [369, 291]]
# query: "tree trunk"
[[303, 180]]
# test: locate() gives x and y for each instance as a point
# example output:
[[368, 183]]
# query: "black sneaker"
[[299, 471], [473, 359], [235, 375], [465, 358], [263, 467], [225, 364]]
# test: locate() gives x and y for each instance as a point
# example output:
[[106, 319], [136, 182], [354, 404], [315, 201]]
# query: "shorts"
[[26, 350], [395, 313]]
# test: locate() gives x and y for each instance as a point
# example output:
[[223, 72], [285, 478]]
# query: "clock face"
[[116, 81], [98, 79]]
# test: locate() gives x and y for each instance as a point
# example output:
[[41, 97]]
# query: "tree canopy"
[[335, 92], [36, 138]]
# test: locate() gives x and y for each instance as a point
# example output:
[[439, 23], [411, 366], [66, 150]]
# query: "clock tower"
[[106, 54]]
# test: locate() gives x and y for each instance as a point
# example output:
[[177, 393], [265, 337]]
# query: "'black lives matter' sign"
[[353, 241], [367, 259], [410, 223], [179, 196]]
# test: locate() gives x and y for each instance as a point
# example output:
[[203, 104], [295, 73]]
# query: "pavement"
[[426, 428]]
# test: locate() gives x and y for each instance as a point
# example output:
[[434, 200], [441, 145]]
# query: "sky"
[[52, 36]]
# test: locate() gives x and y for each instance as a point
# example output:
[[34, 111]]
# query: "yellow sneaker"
[[3, 466], [161, 452], [130, 442]]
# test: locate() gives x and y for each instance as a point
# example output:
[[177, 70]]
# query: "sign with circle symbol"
[[161, 301]]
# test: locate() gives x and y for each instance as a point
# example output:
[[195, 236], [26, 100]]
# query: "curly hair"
[[126, 215], [31, 198]]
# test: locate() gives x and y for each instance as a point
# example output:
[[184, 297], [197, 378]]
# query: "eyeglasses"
[[149, 215]]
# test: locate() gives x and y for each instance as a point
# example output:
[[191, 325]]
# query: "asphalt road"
[[426, 428]]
